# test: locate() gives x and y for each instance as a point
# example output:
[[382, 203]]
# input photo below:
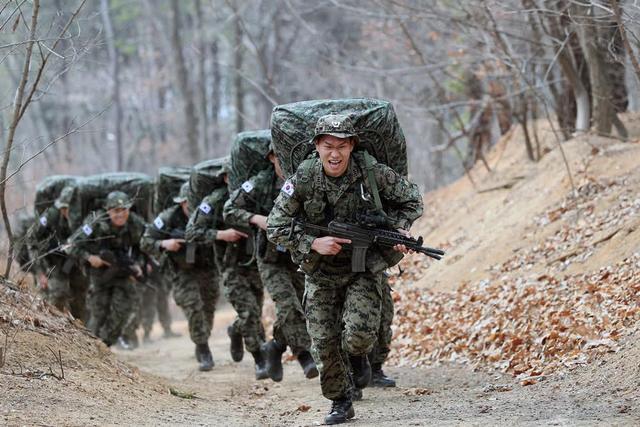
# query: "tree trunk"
[[216, 83], [237, 65], [202, 78], [191, 120], [8, 146], [114, 65]]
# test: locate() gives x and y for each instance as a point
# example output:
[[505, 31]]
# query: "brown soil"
[[479, 230]]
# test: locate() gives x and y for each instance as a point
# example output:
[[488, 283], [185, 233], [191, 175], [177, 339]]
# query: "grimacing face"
[[118, 216], [334, 153]]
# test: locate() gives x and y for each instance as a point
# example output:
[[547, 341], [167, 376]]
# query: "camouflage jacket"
[[172, 223], [204, 225], [315, 198], [256, 197], [47, 238], [98, 234]]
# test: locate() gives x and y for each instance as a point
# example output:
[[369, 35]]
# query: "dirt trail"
[[445, 395]]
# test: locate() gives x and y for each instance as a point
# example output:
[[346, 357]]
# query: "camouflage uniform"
[[67, 285], [241, 282], [342, 307], [196, 289], [111, 303], [278, 273]]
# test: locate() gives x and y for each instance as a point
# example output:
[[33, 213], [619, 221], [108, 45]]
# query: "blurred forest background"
[[105, 85]]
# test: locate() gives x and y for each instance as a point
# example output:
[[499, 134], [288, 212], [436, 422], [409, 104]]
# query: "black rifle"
[[190, 247], [363, 237], [120, 265]]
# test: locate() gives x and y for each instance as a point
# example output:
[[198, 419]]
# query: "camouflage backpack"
[[205, 178], [248, 156], [48, 190], [91, 193], [168, 184], [375, 122]]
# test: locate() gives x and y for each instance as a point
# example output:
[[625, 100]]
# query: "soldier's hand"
[[137, 270], [172, 245], [230, 235], [44, 281], [328, 245], [97, 262], [403, 248], [259, 221]]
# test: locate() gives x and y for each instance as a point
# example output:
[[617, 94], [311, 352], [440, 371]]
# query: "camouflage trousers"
[[68, 292], [343, 316], [243, 289], [379, 354], [144, 294], [286, 287], [156, 302], [196, 292], [111, 305]]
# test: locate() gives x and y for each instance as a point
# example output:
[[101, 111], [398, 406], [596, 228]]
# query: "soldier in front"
[[342, 307]]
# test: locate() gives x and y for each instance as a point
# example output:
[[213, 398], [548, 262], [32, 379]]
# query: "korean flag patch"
[[288, 188], [159, 223], [247, 186], [205, 208], [43, 221], [86, 229]]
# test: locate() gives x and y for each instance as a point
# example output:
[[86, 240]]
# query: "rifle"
[[120, 265], [190, 247], [362, 237]]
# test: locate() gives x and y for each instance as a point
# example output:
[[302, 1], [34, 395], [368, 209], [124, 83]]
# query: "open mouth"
[[335, 163]]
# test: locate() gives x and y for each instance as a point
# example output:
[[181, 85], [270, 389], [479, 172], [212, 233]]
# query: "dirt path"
[[452, 395]]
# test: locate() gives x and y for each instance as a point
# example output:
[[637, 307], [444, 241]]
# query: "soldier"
[[59, 277], [241, 283], [110, 242], [342, 307], [249, 206], [195, 289]]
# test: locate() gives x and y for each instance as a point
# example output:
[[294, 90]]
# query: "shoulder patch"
[[86, 229], [159, 223], [205, 207], [43, 221], [247, 186], [288, 188]]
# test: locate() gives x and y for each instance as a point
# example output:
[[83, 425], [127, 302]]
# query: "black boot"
[[361, 370], [272, 351], [261, 368], [341, 411], [237, 347], [204, 356], [379, 379], [308, 365]]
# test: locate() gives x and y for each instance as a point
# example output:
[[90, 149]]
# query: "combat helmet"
[[183, 195], [64, 199], [338, 125], [118, 200]]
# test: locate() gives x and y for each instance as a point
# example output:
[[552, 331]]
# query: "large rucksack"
[[206, 177], [248, 156], [48, 190], [168, 184], [375, 121], [91, 192]]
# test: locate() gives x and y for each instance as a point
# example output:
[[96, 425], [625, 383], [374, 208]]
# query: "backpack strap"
[[369, 176]]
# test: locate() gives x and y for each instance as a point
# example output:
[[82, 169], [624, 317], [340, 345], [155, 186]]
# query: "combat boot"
[[308, 364], [361, 370], [379, 379], [341, 411], [261, 368], [272, 351], [237, 347], [204, 356]]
